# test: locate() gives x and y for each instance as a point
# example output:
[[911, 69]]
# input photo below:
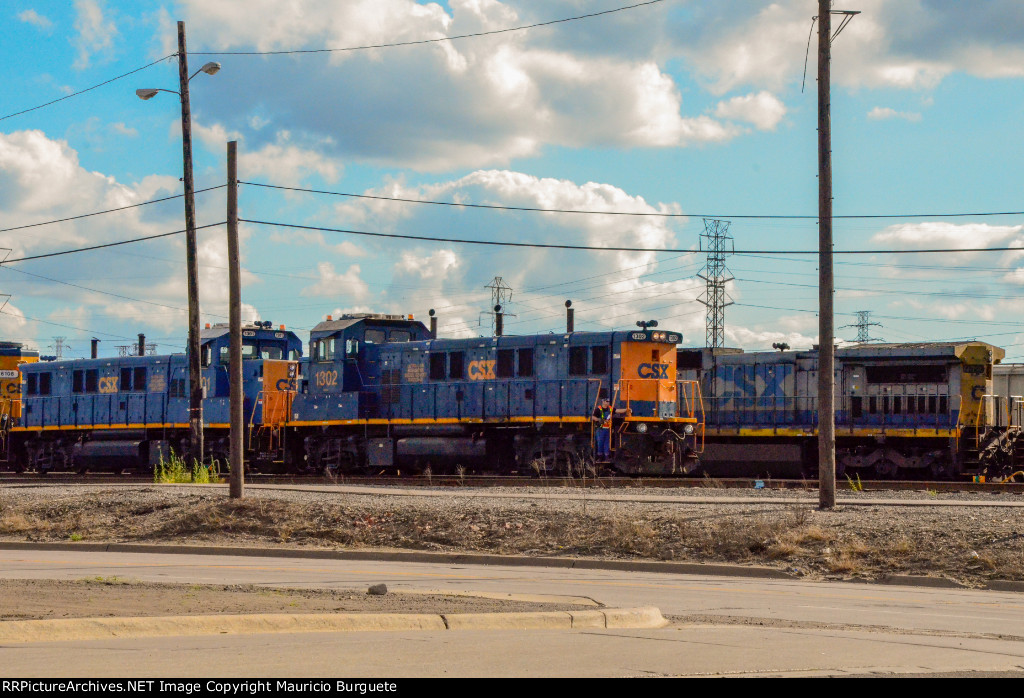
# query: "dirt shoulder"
[[972, 545], [103, 597]]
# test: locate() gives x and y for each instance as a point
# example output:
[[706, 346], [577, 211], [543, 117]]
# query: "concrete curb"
[[80, 629], [682, 568]]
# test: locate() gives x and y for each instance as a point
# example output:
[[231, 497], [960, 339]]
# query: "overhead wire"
[[428, 41]]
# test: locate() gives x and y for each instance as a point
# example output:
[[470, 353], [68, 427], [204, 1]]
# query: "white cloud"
[[477, 103], [945, 235], [332, 284], [434, 266], [122, 130], [880, 113], [32, 17], [96, 32], [764, 110]]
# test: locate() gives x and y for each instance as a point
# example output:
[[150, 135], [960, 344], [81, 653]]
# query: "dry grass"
[[854, 542]]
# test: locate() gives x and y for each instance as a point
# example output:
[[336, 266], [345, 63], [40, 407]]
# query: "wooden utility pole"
[[195, 403], [237, 488], [826, 324]]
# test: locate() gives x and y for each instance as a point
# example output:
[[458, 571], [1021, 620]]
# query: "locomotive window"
[[506, 363], [924, 373], [525, 363], [599, 360], [577, 361], [92, 381], [943, 404], [271, 351], [78, 381], [873, 405], [31, 384], [126, 379], [374, 337], [932, 403], [399, 336], [456, 361], [897, 405], [325, 349], [248, 350], [177, 388], [437, 366], [139, 379], [45, 380], [206, 356]]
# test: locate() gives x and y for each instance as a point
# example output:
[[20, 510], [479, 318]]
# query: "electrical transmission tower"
[[716, 241], [58, 346], [862, 325], [501, 294]]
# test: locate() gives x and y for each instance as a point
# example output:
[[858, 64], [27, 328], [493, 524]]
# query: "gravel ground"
[[970, 544], [99, 597]]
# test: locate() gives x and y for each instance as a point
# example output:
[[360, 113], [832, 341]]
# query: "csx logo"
[[653, 371], [481, 370], [108, 384], [286, 385]]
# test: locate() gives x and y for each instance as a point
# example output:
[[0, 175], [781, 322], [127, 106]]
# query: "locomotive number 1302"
[[326, 379]]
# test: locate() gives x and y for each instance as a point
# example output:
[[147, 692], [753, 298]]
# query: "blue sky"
[[676, 107]]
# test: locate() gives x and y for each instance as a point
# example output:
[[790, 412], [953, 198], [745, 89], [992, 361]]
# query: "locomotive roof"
[[221, 329], [346, 321]]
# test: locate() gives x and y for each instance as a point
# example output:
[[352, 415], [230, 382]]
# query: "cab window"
[[399, 336], [271, 352], [248, 350], [374, 337]]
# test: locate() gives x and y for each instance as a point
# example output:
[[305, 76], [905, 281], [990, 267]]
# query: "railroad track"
[[522, 481]]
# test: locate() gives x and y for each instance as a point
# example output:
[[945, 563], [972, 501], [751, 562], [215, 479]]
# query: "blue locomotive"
[[379, 391], [129, 411], [908, 411], [376, 393]]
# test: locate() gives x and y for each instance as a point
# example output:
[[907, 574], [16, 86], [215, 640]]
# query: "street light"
[[195, 404]]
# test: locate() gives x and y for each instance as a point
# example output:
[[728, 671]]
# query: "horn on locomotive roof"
[[433, 324], [569, 319]]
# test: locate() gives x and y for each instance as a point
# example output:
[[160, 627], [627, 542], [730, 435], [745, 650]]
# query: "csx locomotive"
[[376, 393], [908, 411]]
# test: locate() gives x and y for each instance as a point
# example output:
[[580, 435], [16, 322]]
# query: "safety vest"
[[605, 417]]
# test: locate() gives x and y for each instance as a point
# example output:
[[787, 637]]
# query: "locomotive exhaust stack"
[[433, 324], [142, 344], [499, 321], [569, 319]]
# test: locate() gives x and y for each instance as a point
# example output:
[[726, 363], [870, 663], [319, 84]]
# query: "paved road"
[[724, 625]]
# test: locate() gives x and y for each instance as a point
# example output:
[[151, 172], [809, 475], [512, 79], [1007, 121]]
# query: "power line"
[[629, 213], [425, 41], [109, 210], [88, 89], [109, 244], [594, 248]]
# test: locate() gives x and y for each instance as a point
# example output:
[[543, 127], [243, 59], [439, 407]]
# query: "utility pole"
[[195, 403], [237, 486], [718, 244], [826, 283], [826, 338]]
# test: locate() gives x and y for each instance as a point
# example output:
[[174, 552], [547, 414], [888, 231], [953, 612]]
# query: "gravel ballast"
[[971, 538]]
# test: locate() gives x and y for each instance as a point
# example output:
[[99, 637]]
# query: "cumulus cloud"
[[943, 235], [764, 110], [447, 105], [332, 284], [892, 43], [881, 113]]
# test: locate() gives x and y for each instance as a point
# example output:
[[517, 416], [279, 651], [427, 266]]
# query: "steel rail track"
[[611, 482]]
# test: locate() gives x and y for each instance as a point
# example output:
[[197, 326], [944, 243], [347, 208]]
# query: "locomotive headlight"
[[688, 429], [641, 428]]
